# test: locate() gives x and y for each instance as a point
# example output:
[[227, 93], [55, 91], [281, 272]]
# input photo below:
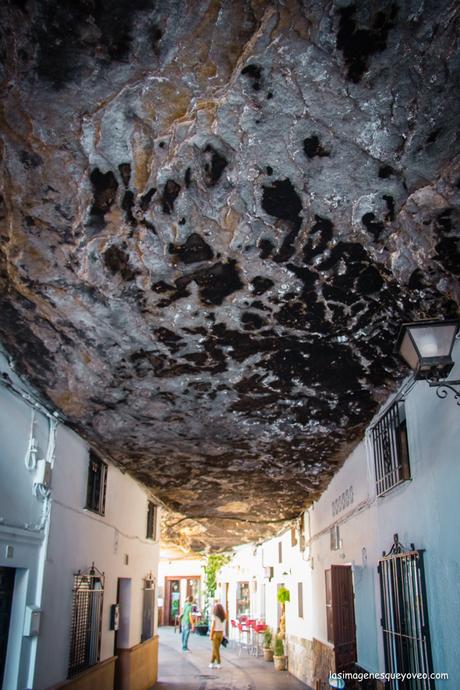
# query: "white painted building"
[[341, 542], [178, 578], [63, 508]]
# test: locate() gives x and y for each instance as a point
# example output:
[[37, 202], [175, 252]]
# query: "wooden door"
[[343, 616]]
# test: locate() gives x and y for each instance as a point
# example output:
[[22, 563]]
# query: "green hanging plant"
[[213, 564], [283, 595]]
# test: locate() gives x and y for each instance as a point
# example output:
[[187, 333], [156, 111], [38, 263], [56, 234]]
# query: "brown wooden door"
[[343, 616]]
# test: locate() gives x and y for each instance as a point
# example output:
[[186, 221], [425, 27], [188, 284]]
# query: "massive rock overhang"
[[214, 217]]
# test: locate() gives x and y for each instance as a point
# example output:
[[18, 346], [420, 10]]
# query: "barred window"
[[391, 450], [97, 484], [152, 521], [85, 638]]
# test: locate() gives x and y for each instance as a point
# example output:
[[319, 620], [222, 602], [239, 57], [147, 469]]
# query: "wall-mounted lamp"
[[426, 346]]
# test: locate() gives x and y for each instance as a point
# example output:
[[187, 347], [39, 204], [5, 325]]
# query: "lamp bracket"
[[443, 388]]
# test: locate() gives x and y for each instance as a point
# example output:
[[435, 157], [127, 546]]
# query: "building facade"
[[79, 553], [178, 578], [360, 596]]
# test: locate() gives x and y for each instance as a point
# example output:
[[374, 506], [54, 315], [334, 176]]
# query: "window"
[[152, 521], [242, 599], [391, 451], [280, 552], [148, 610], [300, 599], [97, 484], [405, 625], [85, 637]]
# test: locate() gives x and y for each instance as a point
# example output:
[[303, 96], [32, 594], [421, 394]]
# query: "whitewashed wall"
[[22, 523], [424, 511], [79, 537], [47, 555]]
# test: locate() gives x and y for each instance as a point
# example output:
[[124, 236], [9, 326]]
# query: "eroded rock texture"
[[215, 215]]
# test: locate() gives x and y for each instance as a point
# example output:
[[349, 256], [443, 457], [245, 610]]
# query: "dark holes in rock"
[[215, 283], [369, 281], [269, 170], [386, 171], [358, 44], [313, 148], [127, 204], [281, 200], [252, 321], [125, 172], [155, 34], [160, 287], [433, 135], [253, 72], [261, 285], [266, 248], [375, 227], [105, 188], [416, 280], [182, 221], [117, 261], [269, 95], [215, 164], [193, 250], [188, 177], [170, 194], [390, 202], [29, 159], [146, 198]]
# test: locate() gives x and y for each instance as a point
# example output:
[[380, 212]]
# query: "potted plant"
[[202, 627], [283, 597], [278, 656], [267, 645]]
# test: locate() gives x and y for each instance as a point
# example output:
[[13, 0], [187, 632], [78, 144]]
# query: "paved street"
[[189, 671]]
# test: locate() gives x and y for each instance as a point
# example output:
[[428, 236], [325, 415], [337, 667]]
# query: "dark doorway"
[[172, 601], [6, 598], [340, 615]]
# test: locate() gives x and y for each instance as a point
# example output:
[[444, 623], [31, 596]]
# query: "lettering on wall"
[[343, 501]]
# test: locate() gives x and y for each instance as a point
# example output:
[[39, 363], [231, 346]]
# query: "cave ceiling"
[[215, 216]]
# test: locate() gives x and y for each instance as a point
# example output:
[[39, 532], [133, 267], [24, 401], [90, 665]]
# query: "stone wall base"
[[310, 660]]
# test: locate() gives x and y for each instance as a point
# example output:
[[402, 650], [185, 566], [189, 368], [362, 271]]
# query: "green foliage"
[[213, 564], [268, 637], [279, 647], [283, 595]]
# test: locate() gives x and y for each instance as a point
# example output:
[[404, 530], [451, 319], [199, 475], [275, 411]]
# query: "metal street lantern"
[[426, 346]]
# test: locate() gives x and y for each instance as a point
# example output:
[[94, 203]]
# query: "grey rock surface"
[[214, 217]]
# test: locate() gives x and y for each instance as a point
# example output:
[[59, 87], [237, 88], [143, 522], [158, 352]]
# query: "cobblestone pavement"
[[189, 670]]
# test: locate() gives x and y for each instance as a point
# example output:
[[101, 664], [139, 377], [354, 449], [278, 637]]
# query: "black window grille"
[[148, 609], [406, 634], [391, 450], [85, 638], [97, 484], [151, 521]]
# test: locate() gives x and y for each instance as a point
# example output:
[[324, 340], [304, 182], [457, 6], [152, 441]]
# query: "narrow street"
[[189, 671]]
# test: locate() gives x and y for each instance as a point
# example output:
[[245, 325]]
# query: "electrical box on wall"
[[32, 621], [43, 473]]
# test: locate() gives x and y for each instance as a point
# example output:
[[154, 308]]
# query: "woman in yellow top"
[[217, 634]]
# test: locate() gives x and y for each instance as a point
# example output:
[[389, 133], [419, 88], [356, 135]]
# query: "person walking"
[[217, 634], [187, 623]]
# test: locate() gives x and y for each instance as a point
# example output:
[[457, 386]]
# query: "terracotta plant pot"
[[268, 654], [280, 663]]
